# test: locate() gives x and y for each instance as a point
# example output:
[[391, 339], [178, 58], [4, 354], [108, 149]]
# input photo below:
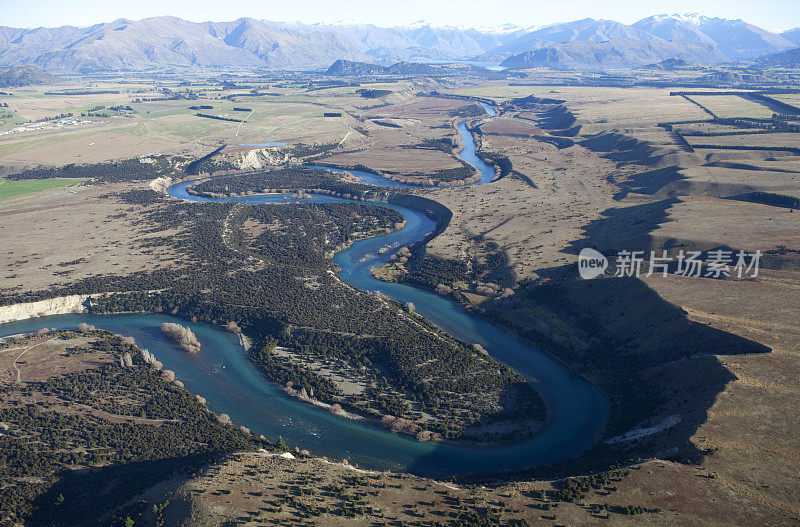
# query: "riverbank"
[[255, 481], [53, 306]]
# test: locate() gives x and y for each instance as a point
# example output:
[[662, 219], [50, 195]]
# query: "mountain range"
[[167, 43], [619, 53]]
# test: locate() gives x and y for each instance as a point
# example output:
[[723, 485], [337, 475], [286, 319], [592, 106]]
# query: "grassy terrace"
[[13, 189]]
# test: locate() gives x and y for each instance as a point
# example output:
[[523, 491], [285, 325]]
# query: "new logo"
[[591, 263]]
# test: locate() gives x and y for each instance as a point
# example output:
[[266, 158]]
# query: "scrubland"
[[596, 169]]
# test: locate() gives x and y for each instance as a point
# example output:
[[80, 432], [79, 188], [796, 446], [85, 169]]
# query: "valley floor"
[[700, 373]]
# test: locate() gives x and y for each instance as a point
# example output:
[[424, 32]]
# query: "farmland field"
[[783, 140], [728, 106], [13, 189]]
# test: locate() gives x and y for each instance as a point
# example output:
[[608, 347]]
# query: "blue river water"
[[488, 109], [221, 372]]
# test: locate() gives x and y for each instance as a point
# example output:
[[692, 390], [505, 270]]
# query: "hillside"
[[282, 48], [673, 28], [614, 54], [671, 65], [420, 41], [24, 76], [586, 30], [167, 43], [739, 40], [787, 59], [350, 68]]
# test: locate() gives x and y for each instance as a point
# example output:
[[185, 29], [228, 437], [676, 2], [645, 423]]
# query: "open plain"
[[700, 373]]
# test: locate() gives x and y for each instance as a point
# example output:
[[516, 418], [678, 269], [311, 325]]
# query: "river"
[[231, 383]]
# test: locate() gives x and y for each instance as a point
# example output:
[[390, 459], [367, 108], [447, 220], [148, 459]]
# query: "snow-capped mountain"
[[722, 40], [169, 42], [675, 27], [419, 40]]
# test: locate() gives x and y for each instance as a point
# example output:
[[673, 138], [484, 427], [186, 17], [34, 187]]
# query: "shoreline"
[[245, 343]]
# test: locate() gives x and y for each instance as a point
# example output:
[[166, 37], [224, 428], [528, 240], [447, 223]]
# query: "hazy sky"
[[769, 14]]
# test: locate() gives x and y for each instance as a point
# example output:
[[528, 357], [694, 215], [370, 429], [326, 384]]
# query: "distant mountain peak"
[[504, 28], [416, 25], [687, 18], [792, 35]]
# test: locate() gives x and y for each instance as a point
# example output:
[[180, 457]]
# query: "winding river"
[[231, 383]]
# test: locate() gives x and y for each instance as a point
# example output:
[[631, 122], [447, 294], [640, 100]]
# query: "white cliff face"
[[259, 158], [250, 161], [161, 184], [54, 306]]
